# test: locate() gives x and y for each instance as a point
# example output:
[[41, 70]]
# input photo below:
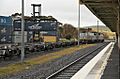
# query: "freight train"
[[9, 51], [11, 31]]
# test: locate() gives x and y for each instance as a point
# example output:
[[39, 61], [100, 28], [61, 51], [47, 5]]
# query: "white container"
[[17, 36]]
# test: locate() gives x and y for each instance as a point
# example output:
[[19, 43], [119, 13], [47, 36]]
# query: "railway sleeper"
[[67, 77], [69, 71]]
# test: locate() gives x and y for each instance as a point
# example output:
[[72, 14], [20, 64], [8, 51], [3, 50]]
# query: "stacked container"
[[5, 29], [37, 30]]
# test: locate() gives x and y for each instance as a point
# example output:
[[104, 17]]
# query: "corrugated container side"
[[5, 21], [50, 39], [5, 32], [17, 37], [5, 38], [32, 26]]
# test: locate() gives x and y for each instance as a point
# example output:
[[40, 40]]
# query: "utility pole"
[[97, 30], [118, 27], [22, 33], [78, 22]]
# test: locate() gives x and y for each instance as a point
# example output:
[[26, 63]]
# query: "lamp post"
[[78, 22], [22, 33]]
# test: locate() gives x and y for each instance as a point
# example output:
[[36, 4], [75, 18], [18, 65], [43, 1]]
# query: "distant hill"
[[105, 30], [101, 28]]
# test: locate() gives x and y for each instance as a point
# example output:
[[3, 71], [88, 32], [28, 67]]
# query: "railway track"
[[44, 71], [68, 71]]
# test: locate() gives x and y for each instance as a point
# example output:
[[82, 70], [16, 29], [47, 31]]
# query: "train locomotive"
[[91, 37]]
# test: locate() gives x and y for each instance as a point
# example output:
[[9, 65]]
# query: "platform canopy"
[[106, 10]]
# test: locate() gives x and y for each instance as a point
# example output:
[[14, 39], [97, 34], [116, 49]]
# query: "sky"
[[65, 11]]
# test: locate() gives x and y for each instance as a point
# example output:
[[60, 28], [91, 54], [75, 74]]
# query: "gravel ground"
[[16, 59], [44, 70]]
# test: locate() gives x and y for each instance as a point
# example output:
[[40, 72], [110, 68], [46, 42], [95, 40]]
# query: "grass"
[[14, 68]]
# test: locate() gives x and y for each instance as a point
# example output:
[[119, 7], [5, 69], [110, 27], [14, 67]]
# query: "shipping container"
[[38, 35], [36, 30], [5, 38], [5, 34], [5, 21], [17, 37], [33, 26], [5, 30], [50, 39], [50, 33]]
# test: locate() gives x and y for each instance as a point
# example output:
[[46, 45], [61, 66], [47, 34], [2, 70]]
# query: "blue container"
[[49, 26], [5, 34], [34, 26], [5, 21], [5, 39], [5, 30], [41, 26]]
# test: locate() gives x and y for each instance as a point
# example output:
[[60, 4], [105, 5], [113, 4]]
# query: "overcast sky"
[[65, 11]]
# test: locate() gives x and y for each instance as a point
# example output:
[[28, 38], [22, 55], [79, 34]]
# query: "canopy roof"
[[105, 10]]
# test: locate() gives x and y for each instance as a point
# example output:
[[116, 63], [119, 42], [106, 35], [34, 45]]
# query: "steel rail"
[[74, 62]]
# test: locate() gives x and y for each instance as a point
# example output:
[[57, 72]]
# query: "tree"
[[67, 30], [69, 36]]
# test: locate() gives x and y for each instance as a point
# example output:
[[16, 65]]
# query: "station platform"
[[112, 69], [105, 65]]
